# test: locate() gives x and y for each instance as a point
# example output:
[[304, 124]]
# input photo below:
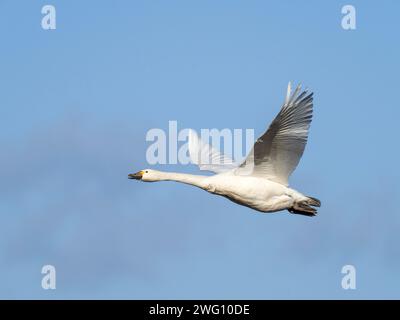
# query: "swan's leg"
[[303, 208]]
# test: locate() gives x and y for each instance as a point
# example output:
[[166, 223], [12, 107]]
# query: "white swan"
[[261, 181]]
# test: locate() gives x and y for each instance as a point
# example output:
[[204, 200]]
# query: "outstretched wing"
[[206, 157], [278, 151]]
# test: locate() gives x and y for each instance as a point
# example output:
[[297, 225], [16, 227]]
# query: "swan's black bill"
[[136, 176]]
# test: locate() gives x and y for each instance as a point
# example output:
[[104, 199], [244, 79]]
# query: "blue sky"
[[76, 103]]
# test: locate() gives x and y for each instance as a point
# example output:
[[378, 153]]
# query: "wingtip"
[[288, 92]]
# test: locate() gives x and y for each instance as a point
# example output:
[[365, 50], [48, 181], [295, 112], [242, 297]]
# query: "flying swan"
[[261, 180]]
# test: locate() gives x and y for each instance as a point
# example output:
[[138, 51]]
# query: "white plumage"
[[261, 181]]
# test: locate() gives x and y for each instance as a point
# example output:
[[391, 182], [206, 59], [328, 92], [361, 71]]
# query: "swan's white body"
[[257, 193], [261, 181]]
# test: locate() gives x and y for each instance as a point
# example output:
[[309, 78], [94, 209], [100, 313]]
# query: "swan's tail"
[[305, 206]]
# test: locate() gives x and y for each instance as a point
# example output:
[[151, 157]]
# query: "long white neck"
[[191, 179]]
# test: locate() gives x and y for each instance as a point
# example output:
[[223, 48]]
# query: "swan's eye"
[[146, 171]]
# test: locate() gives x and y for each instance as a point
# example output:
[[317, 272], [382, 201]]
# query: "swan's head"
[[147, 175]]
